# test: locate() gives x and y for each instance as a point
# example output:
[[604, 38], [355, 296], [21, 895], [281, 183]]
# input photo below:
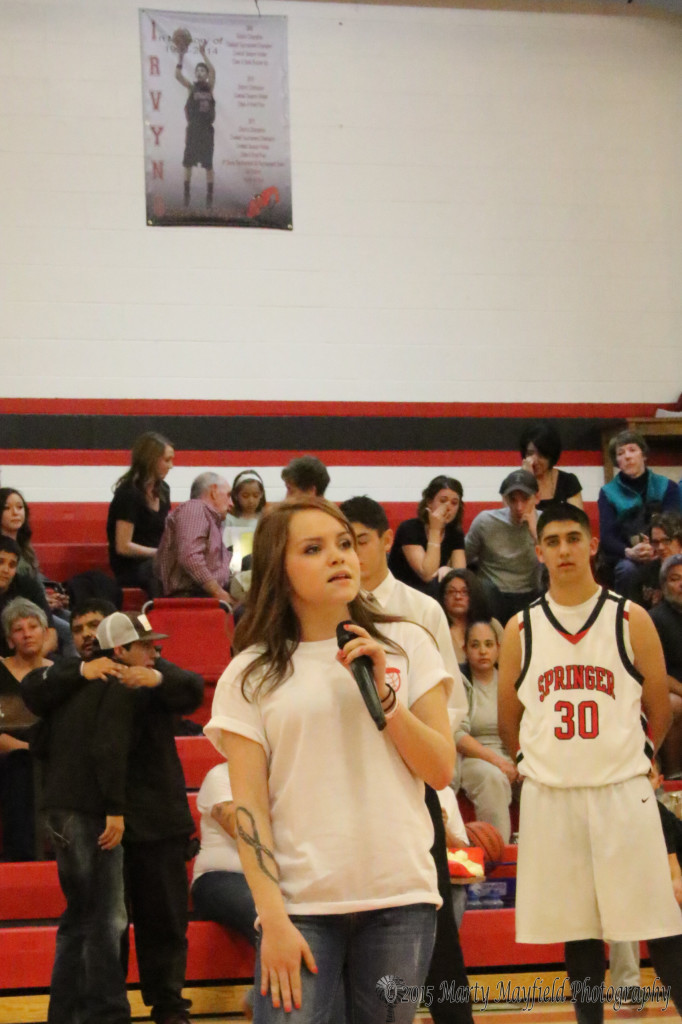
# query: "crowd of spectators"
[[463, 586]]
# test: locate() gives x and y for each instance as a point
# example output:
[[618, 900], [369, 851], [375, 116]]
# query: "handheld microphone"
[[363, 674]]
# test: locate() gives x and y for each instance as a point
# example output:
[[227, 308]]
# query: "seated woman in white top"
[[248, 501], [486, 771], [333, 831], [219, 889]]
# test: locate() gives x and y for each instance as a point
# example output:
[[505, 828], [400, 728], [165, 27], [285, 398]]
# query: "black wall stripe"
[[254, 433]]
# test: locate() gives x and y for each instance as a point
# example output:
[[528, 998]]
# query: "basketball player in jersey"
[[200, 114], [579, 668]]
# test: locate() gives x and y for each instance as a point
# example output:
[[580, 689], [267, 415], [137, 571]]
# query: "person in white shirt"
[[333, 832], [374, 538]]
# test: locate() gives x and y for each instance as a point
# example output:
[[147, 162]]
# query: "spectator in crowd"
[[486, 770], [540, 447], [192, 560], [138, 511], [24, 625], [501, 543], [667, 617], [663, 544], [373, 538], [158, 822], [158, 819], [305, 477], [16, 523], [247, 503], [627, 505], [666, 533], [456, 838], [463, 599], [431, 540], [85, 619], [219, 889], [84, 748], [14, 585]]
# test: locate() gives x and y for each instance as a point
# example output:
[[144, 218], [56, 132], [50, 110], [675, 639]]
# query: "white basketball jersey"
[[582, 723]]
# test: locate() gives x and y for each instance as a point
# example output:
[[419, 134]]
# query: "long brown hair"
[[147, 450], [269, 620], [25, 532]]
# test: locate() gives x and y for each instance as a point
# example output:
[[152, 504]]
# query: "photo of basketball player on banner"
[[216, 120]]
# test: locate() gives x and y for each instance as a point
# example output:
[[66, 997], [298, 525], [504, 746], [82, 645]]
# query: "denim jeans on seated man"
[[88, 981], [356, 951], [225, 897]]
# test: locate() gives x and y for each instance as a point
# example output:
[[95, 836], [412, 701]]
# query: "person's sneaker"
[[632, 996]]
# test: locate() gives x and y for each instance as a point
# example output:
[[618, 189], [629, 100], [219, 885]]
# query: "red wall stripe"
[[275, 457], [198, 407]]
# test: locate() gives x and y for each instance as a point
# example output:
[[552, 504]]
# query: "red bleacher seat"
[[214, 953], [30, 890], [199, 633], [198, 756], [133, 599]]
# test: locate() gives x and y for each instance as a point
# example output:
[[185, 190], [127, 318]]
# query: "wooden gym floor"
[[32, 1009]]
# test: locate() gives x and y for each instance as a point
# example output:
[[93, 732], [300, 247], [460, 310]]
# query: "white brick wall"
[[487, 207]]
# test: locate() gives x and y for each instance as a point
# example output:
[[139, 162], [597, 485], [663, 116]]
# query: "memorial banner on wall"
[[216, 119]]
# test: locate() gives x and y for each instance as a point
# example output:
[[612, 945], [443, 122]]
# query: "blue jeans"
[[225, 897], [357, 951], [88, 981]]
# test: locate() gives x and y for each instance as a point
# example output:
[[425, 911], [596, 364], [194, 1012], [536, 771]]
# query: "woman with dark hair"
[[433, 539], [463, 599], [486, 771], [333, 831], [16, 523], [540, 448], [138, 511]]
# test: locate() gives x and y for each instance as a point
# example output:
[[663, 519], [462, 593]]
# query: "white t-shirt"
[[350, 825], [238, 535], [218, 849], [397, 598]]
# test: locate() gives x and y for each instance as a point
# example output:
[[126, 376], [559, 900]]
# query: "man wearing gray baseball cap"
[[158, 823], [158, 819], [501, 544]]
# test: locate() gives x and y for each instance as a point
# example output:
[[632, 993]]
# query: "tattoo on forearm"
[[252, 839]]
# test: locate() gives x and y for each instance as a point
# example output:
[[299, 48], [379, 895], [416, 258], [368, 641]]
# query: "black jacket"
[[155, 799], [84, 738]]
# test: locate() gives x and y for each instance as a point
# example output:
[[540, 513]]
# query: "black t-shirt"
[[567, 486], [129, 505], [413, 531], [672, 830], [668, 622]]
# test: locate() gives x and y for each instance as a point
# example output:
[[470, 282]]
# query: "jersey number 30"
[[588, 720]]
